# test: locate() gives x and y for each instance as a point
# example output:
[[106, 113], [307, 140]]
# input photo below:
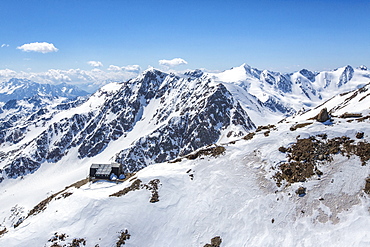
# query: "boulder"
[[323, 116]]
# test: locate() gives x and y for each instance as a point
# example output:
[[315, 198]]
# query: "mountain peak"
[[246, 66], [308, 74], [362, 67], [194, 73]]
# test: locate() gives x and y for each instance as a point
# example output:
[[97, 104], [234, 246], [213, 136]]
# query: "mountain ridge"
[[158, 116]]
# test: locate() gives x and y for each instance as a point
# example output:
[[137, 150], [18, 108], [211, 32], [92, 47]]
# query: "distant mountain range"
[[17, 89]]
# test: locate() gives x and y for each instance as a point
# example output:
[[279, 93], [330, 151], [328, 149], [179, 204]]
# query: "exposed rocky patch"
[[211, 151], [214, 151], [301, 191], [41, 206], [64, 195], [136, 185], [360, 135], [367, 186], [300, 125], [350, 115], [124, 236], [3, 231], [19, 115], [56, 237], [362, 119], [249, 136], [57, 240], [215, 242], [266, 127], [152, 186], [77, 242], [305, 155]]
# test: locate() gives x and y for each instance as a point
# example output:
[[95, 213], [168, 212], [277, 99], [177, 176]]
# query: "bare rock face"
[[323, 116]]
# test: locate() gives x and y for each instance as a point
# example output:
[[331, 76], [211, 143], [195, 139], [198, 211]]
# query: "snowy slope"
[[232, 196]]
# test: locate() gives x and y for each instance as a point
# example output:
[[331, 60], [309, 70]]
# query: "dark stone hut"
[[104, 171]]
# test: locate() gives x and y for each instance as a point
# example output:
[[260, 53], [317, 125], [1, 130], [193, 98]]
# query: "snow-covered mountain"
[[154, 118], [18, 89], [291, 92], [158, 116], [299, 182]]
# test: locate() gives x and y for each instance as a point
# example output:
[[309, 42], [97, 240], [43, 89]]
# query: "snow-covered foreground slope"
[[234, 195]]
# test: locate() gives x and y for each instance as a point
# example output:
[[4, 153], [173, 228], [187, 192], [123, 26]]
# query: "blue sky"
[[283, 35]]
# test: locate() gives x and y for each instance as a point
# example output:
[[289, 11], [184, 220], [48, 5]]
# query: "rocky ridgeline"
[[192, 113], [203, 114]]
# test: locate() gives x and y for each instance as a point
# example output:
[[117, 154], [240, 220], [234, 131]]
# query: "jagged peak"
[[362, 67], [245, 69], [246, 66], [303, 71], [194, 73], [152, 70], [348, 67], [308, 74]]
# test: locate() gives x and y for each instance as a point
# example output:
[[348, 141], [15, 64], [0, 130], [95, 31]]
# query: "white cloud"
[[114, 68], [173, 62], [42, 47], [95, 64], [128, 68], [7, 73], [4, 45], [132, 68]]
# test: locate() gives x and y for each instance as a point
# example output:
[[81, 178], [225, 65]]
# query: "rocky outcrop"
[[323, 116]]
